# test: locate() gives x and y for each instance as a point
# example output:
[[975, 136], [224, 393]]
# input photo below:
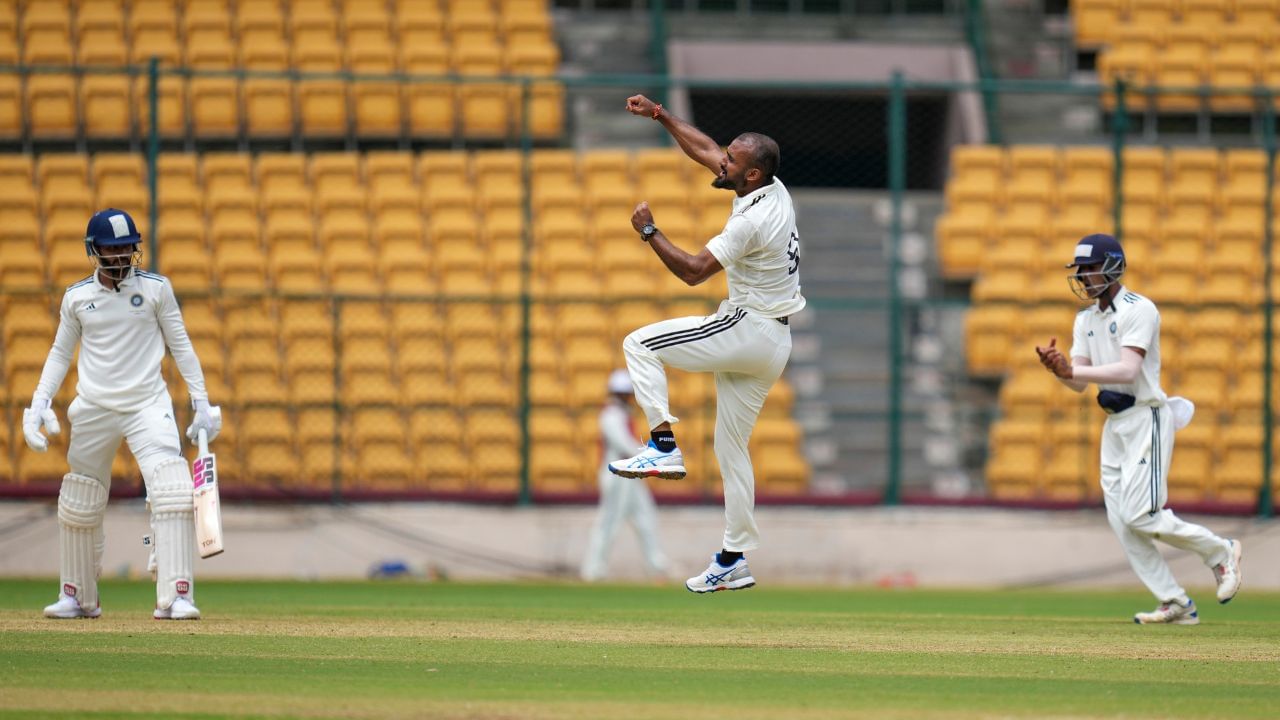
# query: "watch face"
[[648, 230]]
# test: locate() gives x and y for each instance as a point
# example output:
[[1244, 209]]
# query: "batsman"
[[123, 318]]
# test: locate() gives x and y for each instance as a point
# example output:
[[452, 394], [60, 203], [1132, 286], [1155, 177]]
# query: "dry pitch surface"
[[407, 650]]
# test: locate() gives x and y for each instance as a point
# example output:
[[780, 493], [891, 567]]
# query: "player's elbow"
[[691, 278]]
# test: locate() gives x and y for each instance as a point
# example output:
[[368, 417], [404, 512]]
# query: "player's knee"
[[633, 346], [82, 501], [169, 487]]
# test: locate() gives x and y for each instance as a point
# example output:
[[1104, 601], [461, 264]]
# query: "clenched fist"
[[640, 105]]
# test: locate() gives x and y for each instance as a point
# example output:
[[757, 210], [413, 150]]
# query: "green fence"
[[391, 328]]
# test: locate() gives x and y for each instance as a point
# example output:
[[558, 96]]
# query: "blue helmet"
[[110, 227], [1096, 249]]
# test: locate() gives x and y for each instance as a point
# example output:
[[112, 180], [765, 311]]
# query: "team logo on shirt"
[[136, 301], [1112, 328]]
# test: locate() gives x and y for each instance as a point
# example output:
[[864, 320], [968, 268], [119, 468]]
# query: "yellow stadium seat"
[[306, 319], [335, 170], [172, 105], [364, 22], [46, 17], [430, 105], [226, 171], [214, 106], [484, 389], [1257, 13], [312, 19], [1180, 67], [418, 20], [1192, 471], [387, 169], [295, 268], [963, 232], [1233, 67], [525, 23], [1205, 14], [1135, 64], [256, 20], [1095, 21], [471, 23], [51, 106], [110, 99]]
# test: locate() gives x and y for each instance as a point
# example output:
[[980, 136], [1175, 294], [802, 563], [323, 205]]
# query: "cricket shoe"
[[651, 462], [1171, 612], [1228, 574], [68, 608], [718, 577], [181, 609]]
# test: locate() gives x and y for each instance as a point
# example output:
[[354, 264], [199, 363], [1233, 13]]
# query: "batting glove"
[[206, 418], [39, 415]]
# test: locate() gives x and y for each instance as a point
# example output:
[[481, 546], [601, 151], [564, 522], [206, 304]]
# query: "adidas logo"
[[92, 306], [1143, 461]]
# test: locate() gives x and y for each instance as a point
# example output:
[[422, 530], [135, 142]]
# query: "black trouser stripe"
[[708, 332], [654, 342], [1155, 460]]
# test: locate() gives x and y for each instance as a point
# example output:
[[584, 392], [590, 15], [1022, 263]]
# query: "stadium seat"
[[1095, 21]]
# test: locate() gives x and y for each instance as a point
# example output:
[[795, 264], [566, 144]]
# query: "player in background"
[[746, 343], [1116, 344], [123, 318], [621, 498]]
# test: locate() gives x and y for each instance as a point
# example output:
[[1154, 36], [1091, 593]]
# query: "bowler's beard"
[[723, 182]]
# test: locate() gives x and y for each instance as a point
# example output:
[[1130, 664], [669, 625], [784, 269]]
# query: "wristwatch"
[[647, 231]]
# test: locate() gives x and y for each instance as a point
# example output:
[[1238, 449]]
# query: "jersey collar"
[[754, 196], [1097, 304], [129, 281]]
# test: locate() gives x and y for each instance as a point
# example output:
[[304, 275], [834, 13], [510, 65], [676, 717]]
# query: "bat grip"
[[202, 438]]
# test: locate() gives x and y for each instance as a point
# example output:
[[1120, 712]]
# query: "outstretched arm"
[[695, 143]]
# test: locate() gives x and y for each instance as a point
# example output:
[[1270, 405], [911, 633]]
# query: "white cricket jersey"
[[1131, 321], [759, 250], [122, 336]]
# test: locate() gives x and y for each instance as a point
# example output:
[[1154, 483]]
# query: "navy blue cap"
[[1095, 249], [111, 227]]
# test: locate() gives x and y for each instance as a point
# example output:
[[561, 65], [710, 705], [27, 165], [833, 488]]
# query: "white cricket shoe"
[[68, 608], [1228, 574], [651, 462], [718, 577], [181, 609], [1171, 612]]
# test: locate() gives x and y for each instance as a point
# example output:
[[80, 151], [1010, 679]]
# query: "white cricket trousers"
[[152, 434], [1137, 445], [746, 353], [623, 499]]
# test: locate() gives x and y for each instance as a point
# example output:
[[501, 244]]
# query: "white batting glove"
[[39, 415], [206, 418]]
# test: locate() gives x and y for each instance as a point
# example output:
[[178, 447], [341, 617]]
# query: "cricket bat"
[[204, 471]]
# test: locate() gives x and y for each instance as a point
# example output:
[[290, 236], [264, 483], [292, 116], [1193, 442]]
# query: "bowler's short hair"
[[764, 152]]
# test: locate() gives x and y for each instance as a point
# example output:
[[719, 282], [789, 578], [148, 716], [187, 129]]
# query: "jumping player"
[[746, 343], [621, 498], [1116, 344], [123, 318]]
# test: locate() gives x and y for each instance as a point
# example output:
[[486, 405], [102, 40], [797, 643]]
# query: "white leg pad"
[[82, 502], [173, 522]]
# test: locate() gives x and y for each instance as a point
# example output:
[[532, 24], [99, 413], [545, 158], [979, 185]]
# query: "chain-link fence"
[[392, 297]]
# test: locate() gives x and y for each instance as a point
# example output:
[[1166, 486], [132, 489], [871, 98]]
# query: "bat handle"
[[202, 437]]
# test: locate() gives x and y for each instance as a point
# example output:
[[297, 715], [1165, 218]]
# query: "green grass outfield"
[[446, 650]]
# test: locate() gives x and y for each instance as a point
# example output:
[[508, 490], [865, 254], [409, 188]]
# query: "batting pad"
[[173, 520], [82, 502]]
